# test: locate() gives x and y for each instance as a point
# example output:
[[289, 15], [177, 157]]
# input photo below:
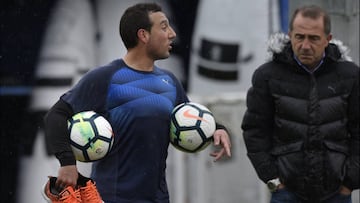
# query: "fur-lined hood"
[[279, 42]]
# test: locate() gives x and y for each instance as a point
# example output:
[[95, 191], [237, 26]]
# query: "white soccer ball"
[[192, 127], [91, 136]]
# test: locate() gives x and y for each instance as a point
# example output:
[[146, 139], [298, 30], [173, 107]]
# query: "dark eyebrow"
[[303, 35]]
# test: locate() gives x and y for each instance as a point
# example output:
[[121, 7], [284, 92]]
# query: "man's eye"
[[314, 38], [299, 37]]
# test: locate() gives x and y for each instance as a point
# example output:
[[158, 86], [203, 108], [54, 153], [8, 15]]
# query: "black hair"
[[134, 18]]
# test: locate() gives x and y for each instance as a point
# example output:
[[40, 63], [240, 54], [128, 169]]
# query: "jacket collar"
[[279, 49]]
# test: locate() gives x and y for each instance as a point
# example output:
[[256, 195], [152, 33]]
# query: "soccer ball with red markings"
[[192, 127], [91, 136]]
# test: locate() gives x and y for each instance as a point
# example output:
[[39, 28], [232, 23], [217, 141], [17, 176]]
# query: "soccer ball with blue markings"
[[192, 127], [91, 136]]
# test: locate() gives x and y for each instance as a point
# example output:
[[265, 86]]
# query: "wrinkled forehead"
[[308, 25], [158, 18]]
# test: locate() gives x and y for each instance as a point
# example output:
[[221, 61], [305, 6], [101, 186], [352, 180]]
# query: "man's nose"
[[172, 34], [306, 44]]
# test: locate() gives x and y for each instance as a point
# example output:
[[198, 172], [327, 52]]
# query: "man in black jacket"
[[301, 127]]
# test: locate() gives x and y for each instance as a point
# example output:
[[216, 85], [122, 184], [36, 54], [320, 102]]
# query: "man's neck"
[[138, 61]]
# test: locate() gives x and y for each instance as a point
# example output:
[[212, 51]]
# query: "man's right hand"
[[281, 186], [67, 176], [344, 190]]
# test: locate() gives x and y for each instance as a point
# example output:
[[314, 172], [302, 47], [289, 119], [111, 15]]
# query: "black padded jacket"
[[304, 127]]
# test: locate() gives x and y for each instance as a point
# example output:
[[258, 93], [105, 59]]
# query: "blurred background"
[[47, 45]]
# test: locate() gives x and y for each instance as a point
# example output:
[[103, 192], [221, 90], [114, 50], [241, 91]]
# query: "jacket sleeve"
[[57, 134], [257, 126], [352, 176]]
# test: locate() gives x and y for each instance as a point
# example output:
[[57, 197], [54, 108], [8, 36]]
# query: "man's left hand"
[[221, 138]]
